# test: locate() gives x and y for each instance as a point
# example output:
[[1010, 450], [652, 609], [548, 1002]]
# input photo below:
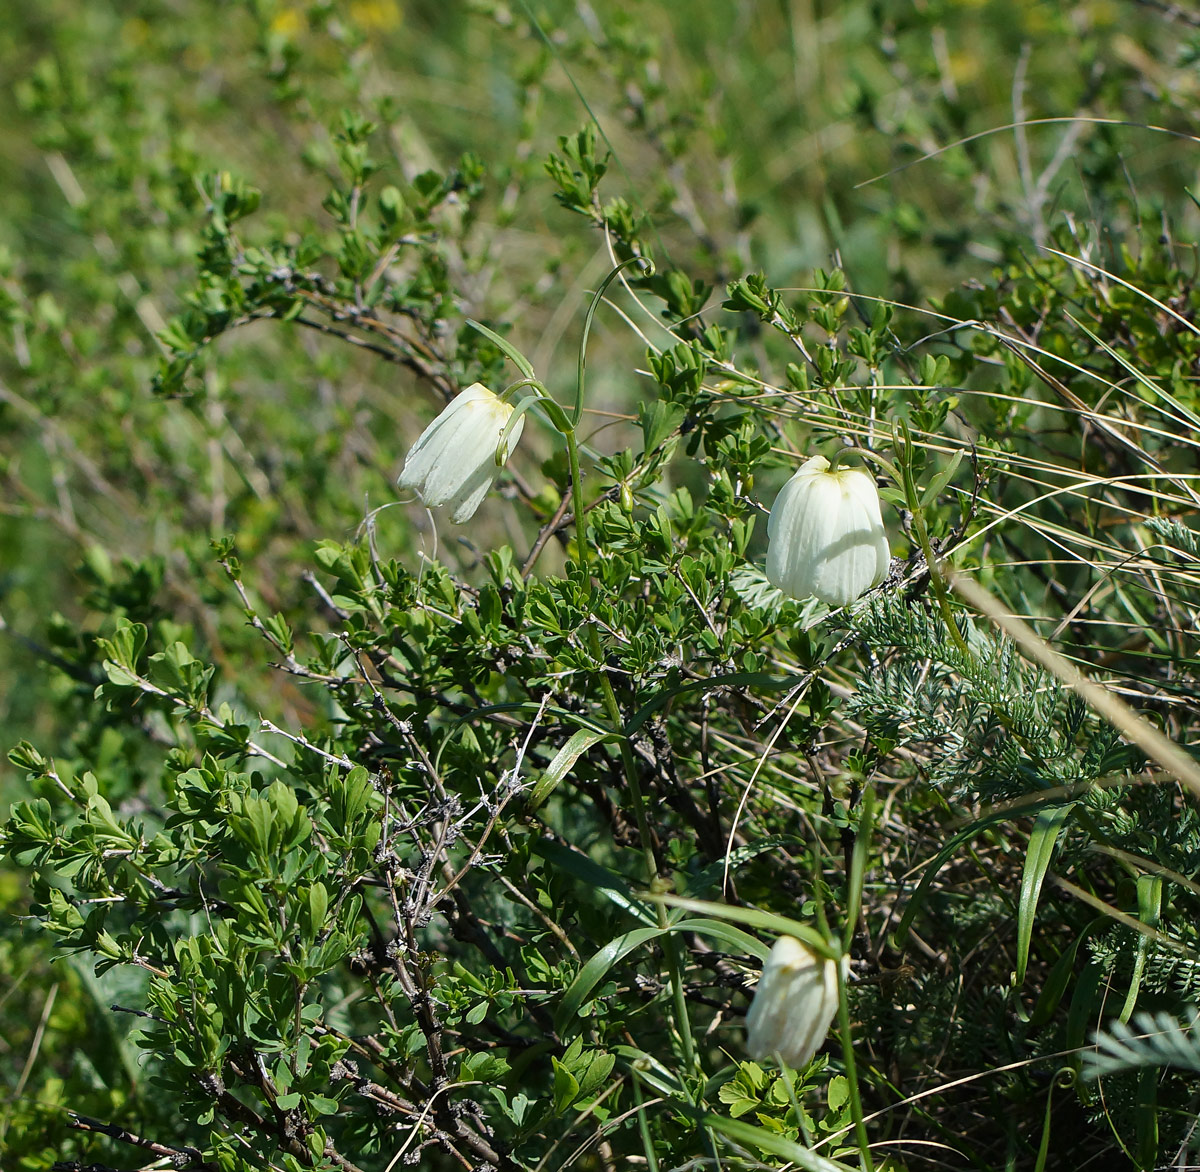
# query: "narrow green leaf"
[[578, 744], [779, 925], [1087, 1005], [607, 883], [1042, 840], [931, 872], [593, 973], [935, 487], [767, 1141], [1149, 889], [519, 360], [727, 934], [736, 679], [1044, 1146], [858, 864], [574, 718], [1059, 977]]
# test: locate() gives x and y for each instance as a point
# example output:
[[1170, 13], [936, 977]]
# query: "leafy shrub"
[[363, 840]]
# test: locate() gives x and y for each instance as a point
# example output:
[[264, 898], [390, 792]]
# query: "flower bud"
[[456, 458], [793, 1006], [825, 537]]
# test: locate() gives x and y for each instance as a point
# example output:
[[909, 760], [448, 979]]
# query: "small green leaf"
[[598, 1069], [658, 420], [318, 905], [935, 487], [838, 1092]]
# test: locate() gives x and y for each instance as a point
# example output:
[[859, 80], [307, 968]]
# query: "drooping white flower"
[[825, 537], [793, 1006], [455, 460]]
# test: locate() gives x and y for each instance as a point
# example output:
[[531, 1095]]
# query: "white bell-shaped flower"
[[794, 1004], [825, 537], [456, 458]]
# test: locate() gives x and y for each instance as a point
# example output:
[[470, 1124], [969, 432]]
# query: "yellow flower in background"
[[375, 14], [794, 1004], [825, 535], [456, 459], [288, 22]]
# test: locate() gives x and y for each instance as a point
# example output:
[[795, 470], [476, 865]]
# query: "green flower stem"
[[856, 1111], [568, 431], [854, 890], [836, 458], [937, 580], [670, 945], [938, 583], [643, 1125], [858, 865], [510, 392], [789, 1081], [647, 269]]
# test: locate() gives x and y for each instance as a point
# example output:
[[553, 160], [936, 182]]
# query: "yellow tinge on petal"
[[456, 458], [825, 535]]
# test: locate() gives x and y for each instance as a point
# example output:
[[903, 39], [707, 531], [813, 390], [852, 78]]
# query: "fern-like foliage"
[[1175, 534], [991, 725], [1156, 1039]]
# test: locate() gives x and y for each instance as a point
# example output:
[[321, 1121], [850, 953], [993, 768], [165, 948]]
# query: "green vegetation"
[[344, 837]]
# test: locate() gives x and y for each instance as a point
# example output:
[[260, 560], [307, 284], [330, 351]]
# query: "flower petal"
[[825, 535], [794, 1004], [454, 460]]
